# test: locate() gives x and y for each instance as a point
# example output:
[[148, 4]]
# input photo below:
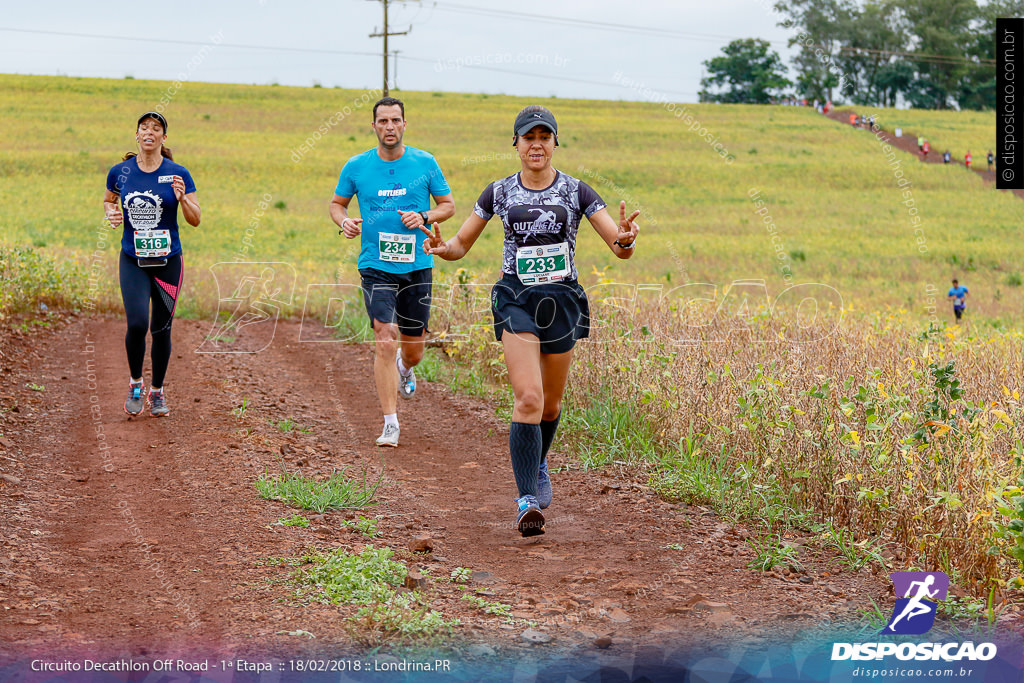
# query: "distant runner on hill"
[[958, 295], [539, 308], [925, 148], [853, 120], [946, 157], [967, 160], [991, 161], [143, 193]]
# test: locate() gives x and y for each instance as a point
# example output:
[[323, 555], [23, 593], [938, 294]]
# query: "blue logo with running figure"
[[914, 612]]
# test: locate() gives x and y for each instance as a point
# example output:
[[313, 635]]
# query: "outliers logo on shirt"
[[396, 191], [537, 220], [144, 209]]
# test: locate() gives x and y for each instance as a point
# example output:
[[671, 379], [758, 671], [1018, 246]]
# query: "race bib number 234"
[[397, 248]]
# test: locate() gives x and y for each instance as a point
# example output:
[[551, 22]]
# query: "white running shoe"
[[389, 437]]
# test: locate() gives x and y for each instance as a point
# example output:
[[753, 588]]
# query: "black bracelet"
[[625, 246]]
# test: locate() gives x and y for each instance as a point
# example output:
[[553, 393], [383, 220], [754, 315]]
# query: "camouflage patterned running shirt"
[[538, 217]]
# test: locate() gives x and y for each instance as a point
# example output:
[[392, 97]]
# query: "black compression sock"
[[524, 444], [547, 435]]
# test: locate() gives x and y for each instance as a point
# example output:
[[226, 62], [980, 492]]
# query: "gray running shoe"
[[389, 437], [136, 400], [406, 381], [158, 403], [529, 519], [544, 493]]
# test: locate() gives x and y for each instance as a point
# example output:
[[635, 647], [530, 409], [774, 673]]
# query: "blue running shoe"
[[544, 493], [529, 519]]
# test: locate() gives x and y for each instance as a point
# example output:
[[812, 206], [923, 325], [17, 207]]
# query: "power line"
[[915, 56], [189, 42], [657, 31], [536, 75], [583, 23], [384, 34], [322, 51]]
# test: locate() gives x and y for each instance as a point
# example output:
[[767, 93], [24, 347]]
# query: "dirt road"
[[908, 143], [139, 536]]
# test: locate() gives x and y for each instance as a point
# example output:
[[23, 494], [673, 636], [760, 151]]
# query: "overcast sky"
[[523, 48]]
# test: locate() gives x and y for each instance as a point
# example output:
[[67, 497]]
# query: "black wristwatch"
[[625, 246], [426, 220]]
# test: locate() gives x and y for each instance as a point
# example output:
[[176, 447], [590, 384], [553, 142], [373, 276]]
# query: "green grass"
[[461, 575], [853, 554], [288, 425], [334, 493], [829, 189], [243, 407], [31, 277], [496, 608], [294, 520], [612, 431], [370, 581], [689, 474], [771, 551], [362, 525]]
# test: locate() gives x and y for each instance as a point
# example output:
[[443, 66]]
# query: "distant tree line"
[[932, 54]]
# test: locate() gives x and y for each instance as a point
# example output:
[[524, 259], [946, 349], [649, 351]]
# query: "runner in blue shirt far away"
[[958, 295]]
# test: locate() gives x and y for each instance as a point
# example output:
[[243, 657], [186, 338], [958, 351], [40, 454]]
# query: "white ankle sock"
[[391, 419]]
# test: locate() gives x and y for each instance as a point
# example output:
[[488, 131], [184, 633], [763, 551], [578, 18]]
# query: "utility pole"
[[384, 34]]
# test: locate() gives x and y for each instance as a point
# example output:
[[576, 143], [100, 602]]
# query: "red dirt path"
[[80, 546]]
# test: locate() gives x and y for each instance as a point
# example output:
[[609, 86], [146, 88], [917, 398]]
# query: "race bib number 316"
[[395, 248], [547, 263], [152, 243]]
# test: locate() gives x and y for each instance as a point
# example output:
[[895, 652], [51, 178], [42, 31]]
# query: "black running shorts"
[[557, 312], [398, 298]]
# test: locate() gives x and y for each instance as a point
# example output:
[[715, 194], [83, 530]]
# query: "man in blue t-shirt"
[[394, 184], [958, 295]]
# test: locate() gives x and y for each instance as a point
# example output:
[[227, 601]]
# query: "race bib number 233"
[[547, 263]]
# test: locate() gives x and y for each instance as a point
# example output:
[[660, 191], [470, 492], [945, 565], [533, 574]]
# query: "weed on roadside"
[[334, 493], [771, 551], [362, 525], [371, 580]]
